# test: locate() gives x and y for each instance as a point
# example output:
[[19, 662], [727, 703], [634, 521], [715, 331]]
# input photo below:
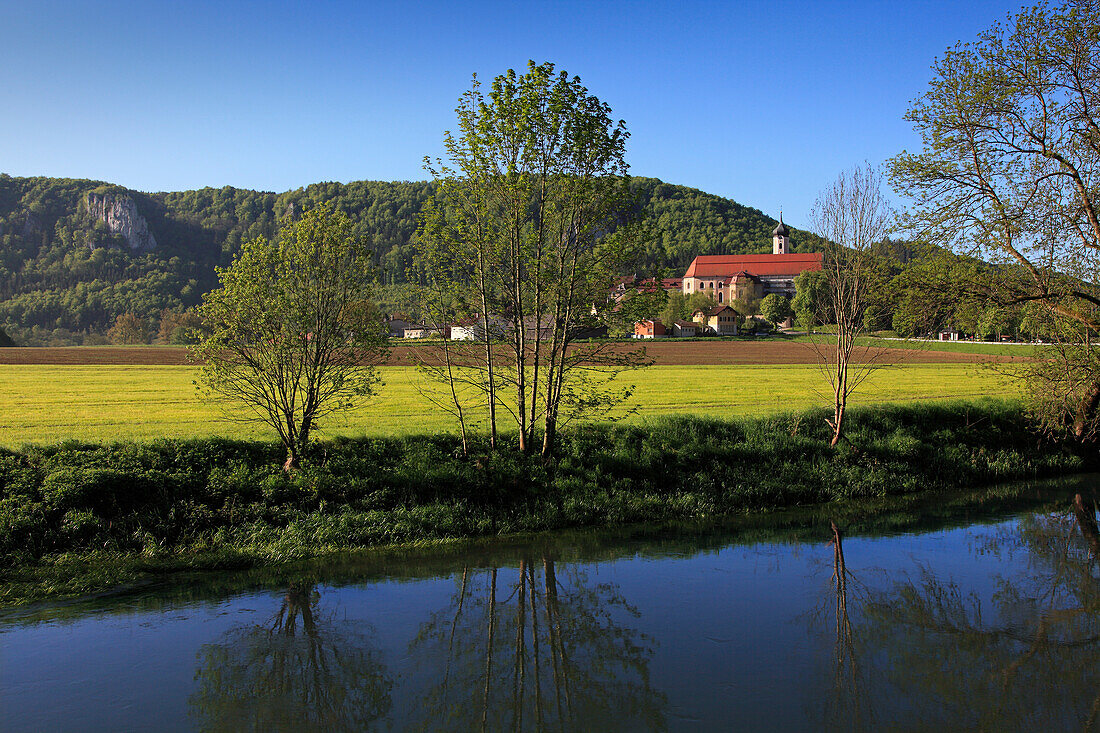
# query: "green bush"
[[173, 496]]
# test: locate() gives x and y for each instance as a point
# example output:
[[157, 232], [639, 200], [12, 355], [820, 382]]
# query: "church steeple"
[[781, 241]]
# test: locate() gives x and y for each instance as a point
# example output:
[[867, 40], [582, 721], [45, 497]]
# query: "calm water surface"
[[984, 616]]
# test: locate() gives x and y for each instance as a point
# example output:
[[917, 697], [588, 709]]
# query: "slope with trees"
[[63, 274]]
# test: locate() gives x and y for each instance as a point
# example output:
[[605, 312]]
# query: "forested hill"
[[75, 254]]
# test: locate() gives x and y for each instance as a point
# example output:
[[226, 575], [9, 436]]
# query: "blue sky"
[[762, 102]]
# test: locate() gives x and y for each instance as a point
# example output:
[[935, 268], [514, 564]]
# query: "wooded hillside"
[[65, 272]]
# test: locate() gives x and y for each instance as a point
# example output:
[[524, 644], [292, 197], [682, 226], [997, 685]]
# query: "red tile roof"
[[717, 310], [756, 265]]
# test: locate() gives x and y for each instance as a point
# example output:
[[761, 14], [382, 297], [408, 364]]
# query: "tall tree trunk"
[[296, 449], [549, 436], [459, 412], [519, 340], [491, 393], [840, 390], [556, 377]]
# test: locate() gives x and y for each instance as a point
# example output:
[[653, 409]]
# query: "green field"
[[961, 347], [43, 404]]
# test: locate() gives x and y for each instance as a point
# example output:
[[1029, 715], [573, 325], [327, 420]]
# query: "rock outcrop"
[[31, 225], [120, 214]]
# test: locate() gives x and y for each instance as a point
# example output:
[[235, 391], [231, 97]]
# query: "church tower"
[[781, 240]]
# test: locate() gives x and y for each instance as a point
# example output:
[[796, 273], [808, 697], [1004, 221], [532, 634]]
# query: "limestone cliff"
[[120, 214]]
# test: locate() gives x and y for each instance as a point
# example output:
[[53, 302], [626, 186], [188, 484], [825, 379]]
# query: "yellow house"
[[721, 321]]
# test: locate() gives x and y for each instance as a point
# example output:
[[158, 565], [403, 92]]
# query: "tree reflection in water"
[[847, 704], [300, 671], [527, 650], [1028, 658]]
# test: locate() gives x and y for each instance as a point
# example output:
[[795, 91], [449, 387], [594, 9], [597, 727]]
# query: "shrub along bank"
[[220, 503]]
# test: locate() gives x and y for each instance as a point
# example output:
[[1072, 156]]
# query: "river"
[[976, 611]]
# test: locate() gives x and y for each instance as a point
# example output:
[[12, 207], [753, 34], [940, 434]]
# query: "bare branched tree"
[[852, 216]]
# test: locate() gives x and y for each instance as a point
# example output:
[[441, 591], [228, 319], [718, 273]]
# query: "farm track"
[[665, 353]]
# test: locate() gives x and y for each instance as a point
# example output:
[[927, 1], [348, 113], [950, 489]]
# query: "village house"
[[398, 324], [467, 331], [745, 277], [652, 329], [423, 332], [720, 321], [473, 328], [685, 329]]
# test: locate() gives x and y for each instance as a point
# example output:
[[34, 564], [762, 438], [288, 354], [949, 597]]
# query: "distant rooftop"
[[755, 265]]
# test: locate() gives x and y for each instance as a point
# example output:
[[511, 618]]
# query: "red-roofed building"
[[652, 329], [729, 277], [630, 285]]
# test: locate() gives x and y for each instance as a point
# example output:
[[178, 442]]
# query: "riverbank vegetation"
[[70, 513]]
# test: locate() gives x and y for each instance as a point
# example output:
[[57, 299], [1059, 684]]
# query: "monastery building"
[[729, 277]]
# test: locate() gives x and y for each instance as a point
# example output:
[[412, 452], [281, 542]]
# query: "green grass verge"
[[128, 511], [959, 347], [47, 404]]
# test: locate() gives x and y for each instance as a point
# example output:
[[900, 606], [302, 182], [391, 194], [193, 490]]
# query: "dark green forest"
[[65, 276]]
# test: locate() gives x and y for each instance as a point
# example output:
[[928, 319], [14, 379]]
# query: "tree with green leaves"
[[528, 221], [292, 332], [809, 299], [776, 308], [130, 329], [675, 308], [1008, 171], [179, 328]]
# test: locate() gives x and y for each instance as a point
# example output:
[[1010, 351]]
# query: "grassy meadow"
[[957, 347], [46, 404], [960, 347]]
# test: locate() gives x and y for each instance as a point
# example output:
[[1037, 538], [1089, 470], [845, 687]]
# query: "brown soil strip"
[[669, 353]]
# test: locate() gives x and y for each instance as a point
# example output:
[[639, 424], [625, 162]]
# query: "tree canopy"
[[292, 331], [1009, 171], [529, 229]]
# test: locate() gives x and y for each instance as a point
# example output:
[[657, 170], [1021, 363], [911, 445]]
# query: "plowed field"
[[664, 353]]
